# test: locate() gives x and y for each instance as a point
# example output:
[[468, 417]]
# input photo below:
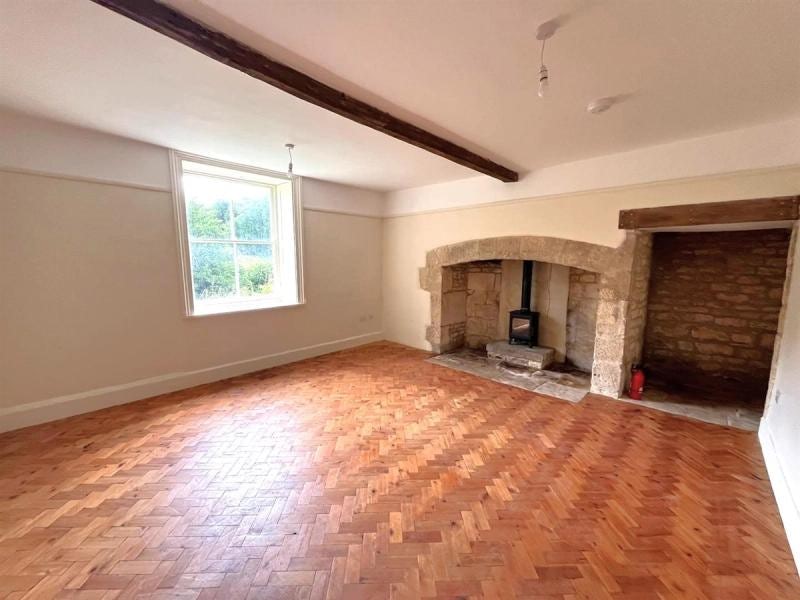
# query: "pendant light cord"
[[541, 55]]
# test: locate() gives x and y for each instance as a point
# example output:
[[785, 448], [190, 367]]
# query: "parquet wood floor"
[[369, 474]]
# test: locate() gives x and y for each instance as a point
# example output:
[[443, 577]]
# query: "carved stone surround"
[[624, 273]]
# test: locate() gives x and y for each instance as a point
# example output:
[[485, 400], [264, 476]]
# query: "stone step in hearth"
[[536, 358]]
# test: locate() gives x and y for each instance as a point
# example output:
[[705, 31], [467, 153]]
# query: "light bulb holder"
[[290, 147], [544, 81]]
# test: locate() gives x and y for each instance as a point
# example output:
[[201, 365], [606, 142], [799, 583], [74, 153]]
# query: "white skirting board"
[[788, 505], [60, 407]]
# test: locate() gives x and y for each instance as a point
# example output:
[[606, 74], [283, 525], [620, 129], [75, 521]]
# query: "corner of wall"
[[781, 421]]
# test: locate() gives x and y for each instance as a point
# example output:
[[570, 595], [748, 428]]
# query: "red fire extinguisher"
[[637, 382]]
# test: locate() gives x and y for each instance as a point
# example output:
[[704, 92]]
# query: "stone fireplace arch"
[[624, 273]]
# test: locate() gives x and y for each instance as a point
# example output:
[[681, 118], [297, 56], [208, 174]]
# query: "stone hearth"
[[535, 358], [562, 383]]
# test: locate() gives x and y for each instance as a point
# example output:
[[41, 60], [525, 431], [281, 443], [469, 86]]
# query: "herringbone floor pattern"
[[371, 474]]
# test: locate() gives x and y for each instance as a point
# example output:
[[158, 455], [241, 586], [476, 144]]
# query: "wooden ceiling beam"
[[227, 50]]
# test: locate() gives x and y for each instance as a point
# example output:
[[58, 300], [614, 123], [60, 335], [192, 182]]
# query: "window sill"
[[227, 308]]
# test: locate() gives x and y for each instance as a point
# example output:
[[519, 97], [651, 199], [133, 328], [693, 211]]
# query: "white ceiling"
[[464, 69]]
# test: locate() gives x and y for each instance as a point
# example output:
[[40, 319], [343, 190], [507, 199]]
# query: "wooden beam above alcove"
[[759, 210], [224, 49]]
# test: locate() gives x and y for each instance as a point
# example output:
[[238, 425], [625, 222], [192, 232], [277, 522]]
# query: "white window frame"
[[279, 299]]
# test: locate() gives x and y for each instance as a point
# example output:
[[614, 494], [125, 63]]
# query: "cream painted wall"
[[590, 217], [92, 293], [549, 297], [780, 427], [41, 145], [551, 293]]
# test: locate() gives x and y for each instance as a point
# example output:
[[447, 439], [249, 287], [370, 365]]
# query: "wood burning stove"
[[523, 324]]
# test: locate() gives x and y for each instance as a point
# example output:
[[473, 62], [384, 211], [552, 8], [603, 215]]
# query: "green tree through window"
[[230, 235]]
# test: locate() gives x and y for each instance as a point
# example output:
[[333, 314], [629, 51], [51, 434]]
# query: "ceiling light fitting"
[[543, 33], [290, 147]]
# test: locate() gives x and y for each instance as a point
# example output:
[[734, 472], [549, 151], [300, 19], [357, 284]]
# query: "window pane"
[[207, 207], [251, 211], [213, 272], [256, 273]]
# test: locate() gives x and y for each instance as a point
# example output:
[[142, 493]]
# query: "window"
[[239, 235]]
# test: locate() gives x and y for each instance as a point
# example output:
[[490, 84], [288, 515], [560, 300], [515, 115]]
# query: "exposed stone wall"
[[510, 294], [470, 304], [453, 307], [584, 291], [619, 326], [715, 300], [484, 279], [637, 299]]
